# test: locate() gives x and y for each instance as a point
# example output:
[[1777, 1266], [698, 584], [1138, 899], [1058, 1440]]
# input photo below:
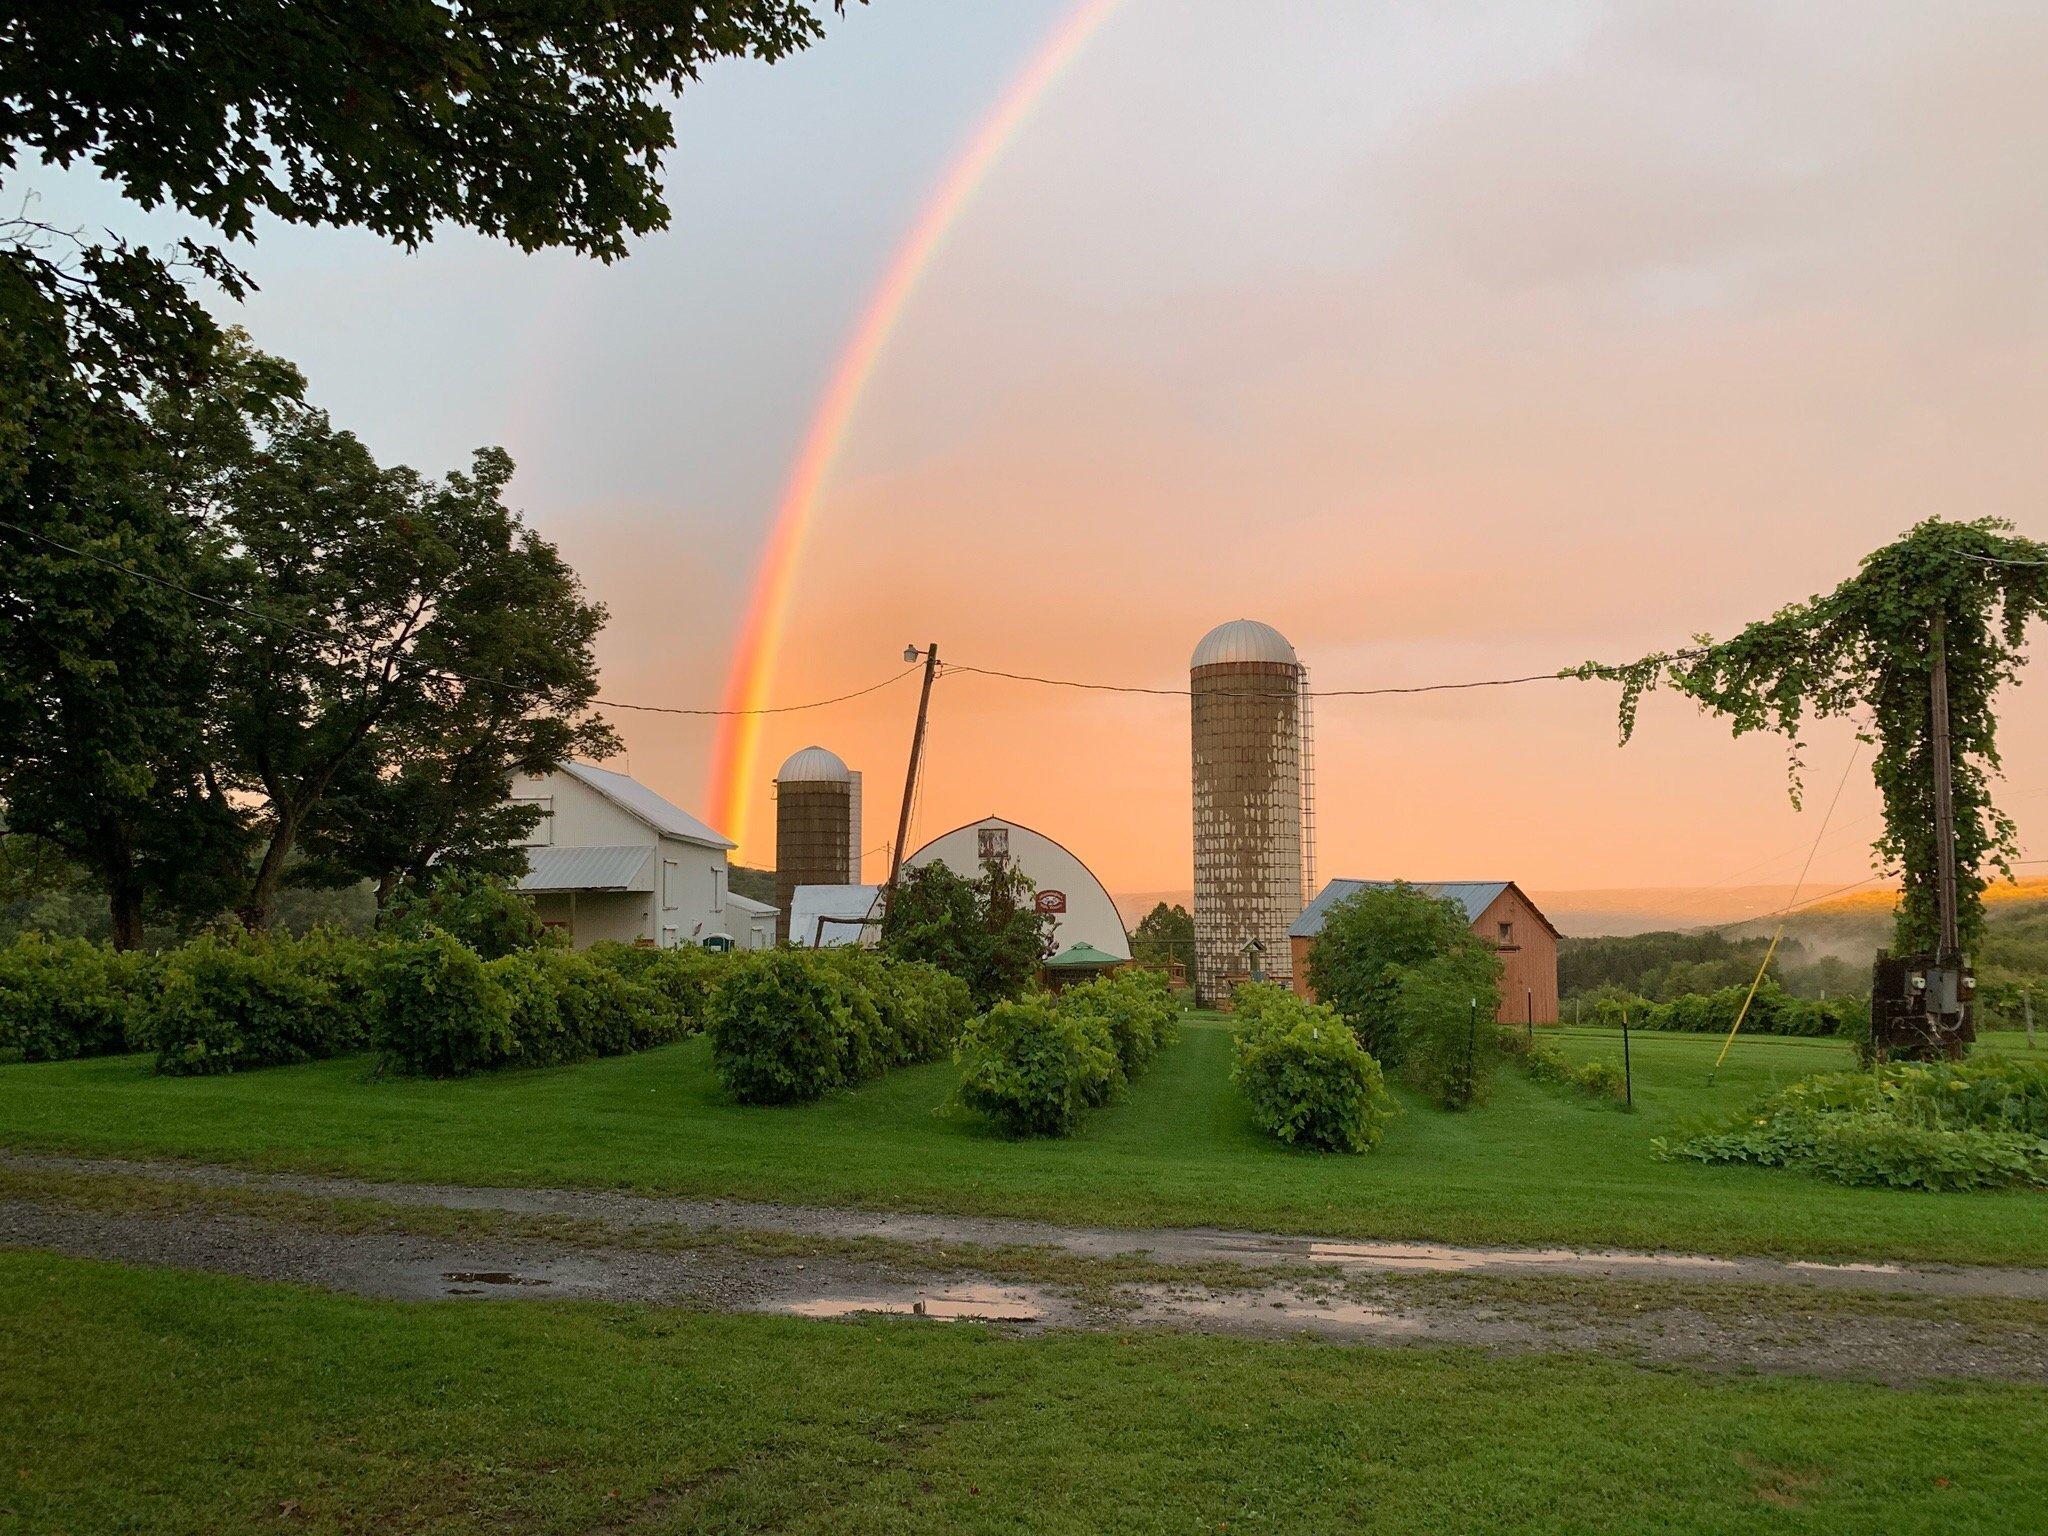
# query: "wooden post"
[[1628, 1075], [924, 701]]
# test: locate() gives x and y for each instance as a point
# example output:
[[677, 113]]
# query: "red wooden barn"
[[1499, 912]]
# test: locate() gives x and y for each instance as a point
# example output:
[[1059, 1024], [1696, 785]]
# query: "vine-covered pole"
[[1948, 944], [1914, 647]]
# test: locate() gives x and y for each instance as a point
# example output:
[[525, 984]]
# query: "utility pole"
[[924, 701]]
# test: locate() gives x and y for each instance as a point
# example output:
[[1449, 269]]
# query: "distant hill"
[[1857, 924], [1854, 925], [754, 884]]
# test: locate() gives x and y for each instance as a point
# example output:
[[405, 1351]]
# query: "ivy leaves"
[[1864, 649]]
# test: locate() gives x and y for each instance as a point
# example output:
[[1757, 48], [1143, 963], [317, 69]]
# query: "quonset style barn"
[[1499, 913], [1081, 909]]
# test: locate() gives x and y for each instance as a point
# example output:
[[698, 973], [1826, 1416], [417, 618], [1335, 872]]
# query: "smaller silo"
[[817, 827]]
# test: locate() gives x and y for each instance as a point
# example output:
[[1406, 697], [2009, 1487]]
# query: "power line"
[[1998, 560], [1565, 675], [272, 621]]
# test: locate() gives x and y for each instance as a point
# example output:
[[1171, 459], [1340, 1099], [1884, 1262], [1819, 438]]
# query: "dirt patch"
[[416, 1242]]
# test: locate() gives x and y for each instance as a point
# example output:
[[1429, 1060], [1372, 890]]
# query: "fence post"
[[1529, 1003], [1472, 1054], [1628, 1075]]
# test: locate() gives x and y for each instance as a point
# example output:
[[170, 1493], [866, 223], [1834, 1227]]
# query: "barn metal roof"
[[1474, 896], [636, 799], [827, 916], [748, 905], [595, 868]]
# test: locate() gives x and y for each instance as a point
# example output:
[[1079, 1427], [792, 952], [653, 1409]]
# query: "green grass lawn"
[[159, 1402], [1536, 1165]]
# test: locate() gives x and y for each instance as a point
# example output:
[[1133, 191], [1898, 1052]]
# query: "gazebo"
[[1078, 963]]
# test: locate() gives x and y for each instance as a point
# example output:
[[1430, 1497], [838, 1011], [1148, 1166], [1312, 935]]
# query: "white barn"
[[1081, 908], [611, 859]]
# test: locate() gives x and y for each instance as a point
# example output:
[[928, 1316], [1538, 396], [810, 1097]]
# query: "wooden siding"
[[1528, 982]]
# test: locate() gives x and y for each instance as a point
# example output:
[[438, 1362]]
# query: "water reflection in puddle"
[[978, 1303], [479, 1278], [1267, 1309], [1434, 1257]]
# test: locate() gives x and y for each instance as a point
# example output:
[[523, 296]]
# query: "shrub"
[[533, 1016], [1978, 1124], [343, 967], [1308, 1081], [441, 1012], [927, 1008], [1773, 1011], [1031, 1067], [64, 998], [783, 1028], [1137, 1010], [487, 915], [683, 977], [226, 1005], [1442, 1010], [597, 1011], [1547, 1064], [1262, 1005]]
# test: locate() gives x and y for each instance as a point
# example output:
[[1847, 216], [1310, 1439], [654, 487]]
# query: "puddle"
[[1441, 1259], [478, 1279], [1284, 1309], [1846, 1267], [976, 1303]]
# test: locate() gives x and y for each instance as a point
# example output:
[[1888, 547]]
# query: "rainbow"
[[754, 654]]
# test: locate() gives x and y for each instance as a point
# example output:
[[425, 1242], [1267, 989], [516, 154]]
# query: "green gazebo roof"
[[1082, 956]]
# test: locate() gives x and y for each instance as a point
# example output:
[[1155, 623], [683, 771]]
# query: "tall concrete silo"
[[817, 827], [1247, 698]]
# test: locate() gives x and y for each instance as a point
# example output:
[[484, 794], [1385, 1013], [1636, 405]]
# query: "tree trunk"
[[124, 904], [387, 887], [261, 908]]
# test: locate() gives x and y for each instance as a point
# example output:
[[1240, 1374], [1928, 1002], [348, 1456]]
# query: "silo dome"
[[815, 765], [1243, 640]]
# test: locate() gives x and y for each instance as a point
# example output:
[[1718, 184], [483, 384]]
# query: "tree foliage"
[[1165, 934], [986, 930], [267, 640], [1370, 941], [1864, 651], [541, 121]]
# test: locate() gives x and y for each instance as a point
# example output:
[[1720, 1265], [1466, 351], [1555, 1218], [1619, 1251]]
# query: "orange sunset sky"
[[1454, 341]]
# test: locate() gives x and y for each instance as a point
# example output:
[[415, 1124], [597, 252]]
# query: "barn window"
[[1507, 935]]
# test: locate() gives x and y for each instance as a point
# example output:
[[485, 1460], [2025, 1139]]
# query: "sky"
[[1456, 342]]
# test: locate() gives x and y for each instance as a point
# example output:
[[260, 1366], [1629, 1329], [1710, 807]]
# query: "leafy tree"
[[395, 645], [488, 915], [541, 123], [1165, 934], [1865, 650], [103, 679], [1443, 1011], [1368, 944], [987, 930]]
